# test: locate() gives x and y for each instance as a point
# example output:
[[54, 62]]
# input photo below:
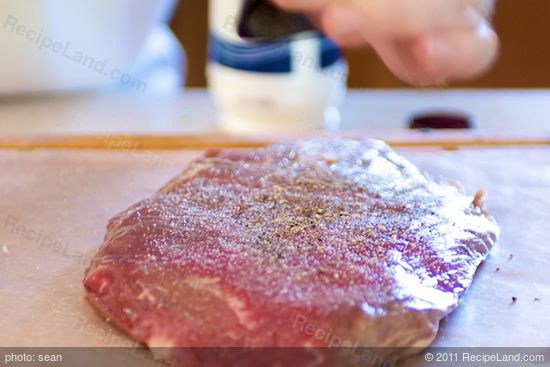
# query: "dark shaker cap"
[[260, 20]]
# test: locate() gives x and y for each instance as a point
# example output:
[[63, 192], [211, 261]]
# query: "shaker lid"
[[260, 20]]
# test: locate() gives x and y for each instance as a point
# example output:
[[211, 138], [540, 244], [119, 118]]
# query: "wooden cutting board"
[[54, 205]]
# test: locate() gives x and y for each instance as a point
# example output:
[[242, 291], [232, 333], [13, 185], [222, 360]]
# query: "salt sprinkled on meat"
[[331, 229]]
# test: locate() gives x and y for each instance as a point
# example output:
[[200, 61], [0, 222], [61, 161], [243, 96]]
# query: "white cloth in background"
[[59, 46], [161, 64]]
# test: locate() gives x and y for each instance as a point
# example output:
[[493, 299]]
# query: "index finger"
[[375, 19]]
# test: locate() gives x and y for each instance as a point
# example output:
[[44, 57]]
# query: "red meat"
[[319, 243]]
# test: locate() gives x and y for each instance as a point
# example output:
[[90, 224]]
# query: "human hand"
[[423, 42]]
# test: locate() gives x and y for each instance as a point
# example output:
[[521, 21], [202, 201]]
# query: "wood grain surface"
[[400, 138]]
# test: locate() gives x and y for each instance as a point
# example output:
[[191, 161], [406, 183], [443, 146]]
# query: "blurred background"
[[524, 27]]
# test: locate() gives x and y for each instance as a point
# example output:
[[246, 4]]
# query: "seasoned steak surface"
[[276, 246]]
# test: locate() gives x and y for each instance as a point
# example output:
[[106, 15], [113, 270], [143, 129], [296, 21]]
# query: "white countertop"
[[193, 111]]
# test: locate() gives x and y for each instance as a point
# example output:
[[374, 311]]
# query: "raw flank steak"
[[316, 243]]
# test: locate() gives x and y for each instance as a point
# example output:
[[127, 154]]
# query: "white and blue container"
[[293, 85]]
